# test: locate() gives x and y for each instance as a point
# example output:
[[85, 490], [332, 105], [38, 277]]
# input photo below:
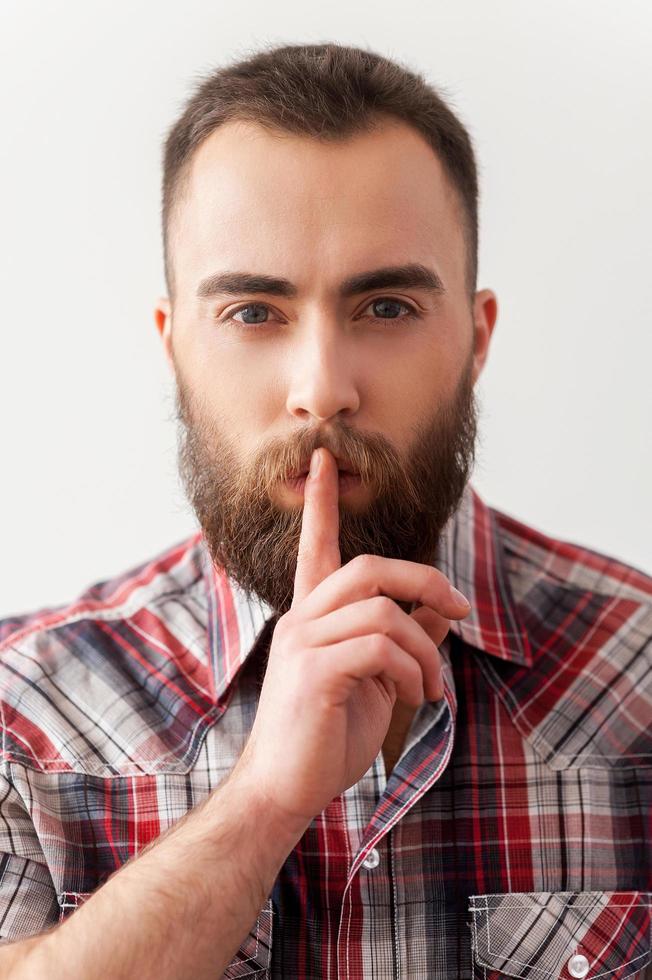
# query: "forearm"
[[179, 910]]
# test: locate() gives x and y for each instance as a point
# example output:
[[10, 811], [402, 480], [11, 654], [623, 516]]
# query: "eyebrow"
[[413, 275]]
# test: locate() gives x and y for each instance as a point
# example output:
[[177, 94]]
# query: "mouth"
[[347, 481], [344, 468]]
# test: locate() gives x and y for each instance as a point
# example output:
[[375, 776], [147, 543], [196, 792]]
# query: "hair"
[[326, 92]]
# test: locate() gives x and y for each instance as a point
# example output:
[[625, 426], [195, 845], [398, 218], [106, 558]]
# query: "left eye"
[[385, 304]]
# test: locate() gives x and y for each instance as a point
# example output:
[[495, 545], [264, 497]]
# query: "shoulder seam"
[[84, 606], [613, 568], [98, 615]]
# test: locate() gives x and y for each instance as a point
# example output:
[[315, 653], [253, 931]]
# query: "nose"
[[322, 378]]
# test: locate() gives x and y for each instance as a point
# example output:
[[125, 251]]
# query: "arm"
[[178, 910]]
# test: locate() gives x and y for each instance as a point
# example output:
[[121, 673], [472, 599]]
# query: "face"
[[380, 370]]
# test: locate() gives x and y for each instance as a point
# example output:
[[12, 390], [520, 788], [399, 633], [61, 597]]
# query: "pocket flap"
[[546, 935]]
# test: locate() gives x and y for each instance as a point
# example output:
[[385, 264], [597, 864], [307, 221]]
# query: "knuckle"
[[284, 625], [379, 643], [364, 563], [384, 610], [287, 633]]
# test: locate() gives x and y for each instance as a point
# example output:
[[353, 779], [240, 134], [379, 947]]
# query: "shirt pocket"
[[561, 935], [253, 957]]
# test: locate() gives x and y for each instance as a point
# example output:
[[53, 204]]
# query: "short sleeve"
[[28, 900]]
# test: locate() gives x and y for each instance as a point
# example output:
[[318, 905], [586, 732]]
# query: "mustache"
[[369, 456]]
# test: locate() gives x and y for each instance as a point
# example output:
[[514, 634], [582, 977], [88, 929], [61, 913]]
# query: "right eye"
[[258, 309]]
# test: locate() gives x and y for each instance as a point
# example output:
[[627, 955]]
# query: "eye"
[[257, 312], [387, 304], [258, 308]]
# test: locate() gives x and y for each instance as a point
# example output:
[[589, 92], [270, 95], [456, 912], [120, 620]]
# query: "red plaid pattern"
[[512, 839]]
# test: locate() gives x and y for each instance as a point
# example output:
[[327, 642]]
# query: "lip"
[[347, 482], [343, 466]]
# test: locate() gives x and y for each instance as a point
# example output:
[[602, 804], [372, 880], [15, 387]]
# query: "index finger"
[[319, 544]]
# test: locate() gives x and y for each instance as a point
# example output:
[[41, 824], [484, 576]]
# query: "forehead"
[[295, 206]]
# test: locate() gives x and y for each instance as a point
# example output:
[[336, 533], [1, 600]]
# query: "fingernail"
[[463, 601], [314, 464]]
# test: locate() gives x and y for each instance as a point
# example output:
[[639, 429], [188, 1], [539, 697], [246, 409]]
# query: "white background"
[[557, 98]]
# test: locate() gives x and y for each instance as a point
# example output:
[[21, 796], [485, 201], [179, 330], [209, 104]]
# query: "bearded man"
[[360, 724]]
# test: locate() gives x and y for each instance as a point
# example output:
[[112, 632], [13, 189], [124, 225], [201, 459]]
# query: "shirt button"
[[372, 861], [578, 966]]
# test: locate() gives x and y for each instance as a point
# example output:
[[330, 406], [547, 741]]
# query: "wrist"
[[269, 817]]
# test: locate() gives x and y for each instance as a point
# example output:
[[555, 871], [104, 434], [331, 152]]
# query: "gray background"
[[558, 100]]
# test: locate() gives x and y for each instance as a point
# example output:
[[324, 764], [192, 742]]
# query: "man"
[[286, 747]]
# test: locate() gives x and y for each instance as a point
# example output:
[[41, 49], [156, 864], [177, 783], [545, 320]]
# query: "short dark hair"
[[327, 92]]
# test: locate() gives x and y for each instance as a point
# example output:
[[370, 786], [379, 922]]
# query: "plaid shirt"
[[512, 839]]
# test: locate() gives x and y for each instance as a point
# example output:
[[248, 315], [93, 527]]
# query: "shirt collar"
[[470, 554]]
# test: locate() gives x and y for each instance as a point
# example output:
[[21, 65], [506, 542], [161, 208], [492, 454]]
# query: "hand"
[[338, 660]]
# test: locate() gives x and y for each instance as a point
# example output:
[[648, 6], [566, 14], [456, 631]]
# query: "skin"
[[353, 375]]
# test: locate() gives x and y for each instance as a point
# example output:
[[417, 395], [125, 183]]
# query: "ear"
[[485, 313], [163, 320]]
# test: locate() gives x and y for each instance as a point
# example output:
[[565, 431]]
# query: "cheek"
[[247, 397], [418, 380], [231, 382]]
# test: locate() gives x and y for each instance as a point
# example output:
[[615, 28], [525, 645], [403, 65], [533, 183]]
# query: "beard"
[[255, 541]]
